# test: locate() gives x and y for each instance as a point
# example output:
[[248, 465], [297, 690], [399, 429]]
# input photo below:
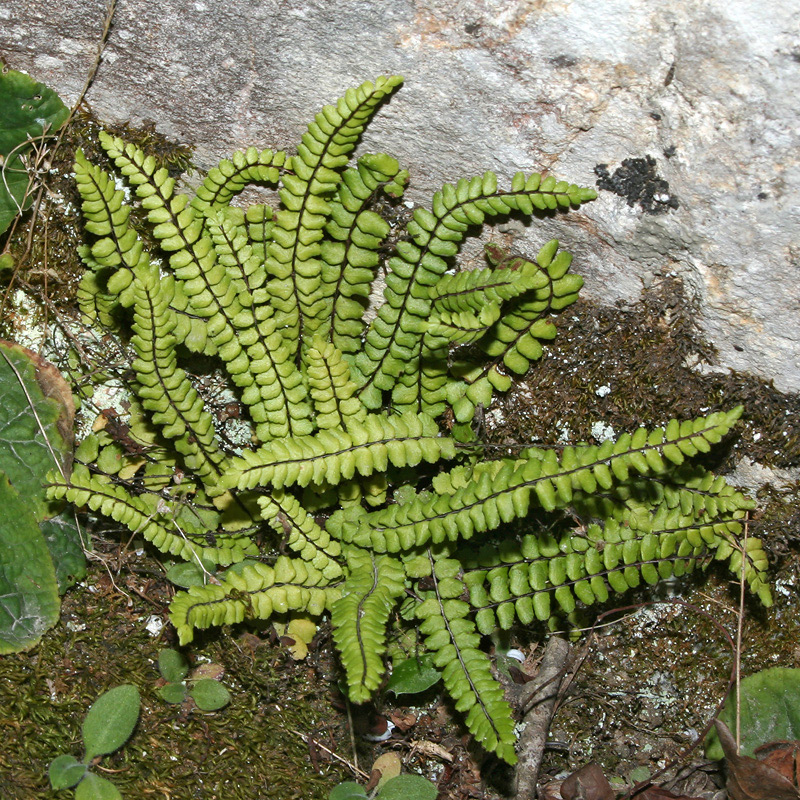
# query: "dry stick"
[[739, 627], [539, 702], [310, 739]]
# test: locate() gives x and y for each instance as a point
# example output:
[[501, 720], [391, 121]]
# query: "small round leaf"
[[413, 675], [172, 665], [210, 695], [348, 790], [93, 787], [65, 771], [110, 721], [408, 787], [173, 692]]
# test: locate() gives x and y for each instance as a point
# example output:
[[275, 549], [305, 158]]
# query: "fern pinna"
[[390, 514]]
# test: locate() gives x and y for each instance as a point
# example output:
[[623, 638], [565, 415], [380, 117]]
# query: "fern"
[[350, 467]]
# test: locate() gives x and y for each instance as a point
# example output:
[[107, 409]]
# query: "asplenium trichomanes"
[[351, 466]]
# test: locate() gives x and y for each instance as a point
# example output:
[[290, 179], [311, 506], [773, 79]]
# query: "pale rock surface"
[[708, 91]]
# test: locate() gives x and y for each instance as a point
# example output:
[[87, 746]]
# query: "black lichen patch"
[[638, 181]]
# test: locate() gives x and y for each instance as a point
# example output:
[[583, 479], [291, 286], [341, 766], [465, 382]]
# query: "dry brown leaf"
[[588, 783], [783, 757], [657, 793], [431, 750], [389, 766], [750, 779]]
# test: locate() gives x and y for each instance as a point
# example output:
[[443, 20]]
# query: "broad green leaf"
[[172, 665], [210, 695], [27, 578], [65, 771], [190, 573], [413, 675], [28, 107], [33, 396], [94, 787], [770, 711], [408, 787], [15, 188], [110, 721], [348, 790], [63, 538]]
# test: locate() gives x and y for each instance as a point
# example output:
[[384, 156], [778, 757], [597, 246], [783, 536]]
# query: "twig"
[[739, 627], [539, 704], [310, 739]]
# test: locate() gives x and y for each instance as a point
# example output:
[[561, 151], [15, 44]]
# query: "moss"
[[245, 751]]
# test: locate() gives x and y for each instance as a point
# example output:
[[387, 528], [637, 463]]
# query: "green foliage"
[[108, 725], [413, 675], [375, 498], [207, 693], [40, 549], [28, 111], [769, 707], [401, 787]]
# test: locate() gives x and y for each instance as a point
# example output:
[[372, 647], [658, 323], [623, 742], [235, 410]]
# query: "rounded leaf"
[[93, 787], [348, 790], [172, 666], [173, 692], [190, 573], [414, 675], [110, 721], [210, 695], [770, 709], [65, 771], [408, 787]]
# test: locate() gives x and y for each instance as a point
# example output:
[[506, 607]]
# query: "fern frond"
[[163, 387], [334, 455], [393, 336], [331, 388], [359, 620], [112, 500], [451, 636], [285, 514], [294, 253], [500, 495], [351, 251], [252, 590], [514, 340], [230, 176]]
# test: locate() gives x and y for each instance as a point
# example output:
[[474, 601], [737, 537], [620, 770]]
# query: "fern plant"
[[361, 459]]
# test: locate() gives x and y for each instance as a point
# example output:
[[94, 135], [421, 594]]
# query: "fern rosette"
[[349, 465]]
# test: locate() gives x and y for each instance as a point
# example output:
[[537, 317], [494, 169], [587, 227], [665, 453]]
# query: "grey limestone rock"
[[685, 112]]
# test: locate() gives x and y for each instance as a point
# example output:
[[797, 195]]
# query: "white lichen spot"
[[564, 432], [602, 431], [602, 391], [154, 625]]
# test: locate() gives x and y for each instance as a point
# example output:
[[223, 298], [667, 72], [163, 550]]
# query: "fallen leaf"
[[432, 750], [403, 720], [783, 757], [588, 783], [389, 766], [657, 793], [750, 779], [212, 671]]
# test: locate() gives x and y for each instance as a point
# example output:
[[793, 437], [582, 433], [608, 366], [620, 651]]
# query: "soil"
[[650, 678]]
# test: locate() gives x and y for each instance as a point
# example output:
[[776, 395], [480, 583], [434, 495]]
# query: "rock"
[[685, 114]]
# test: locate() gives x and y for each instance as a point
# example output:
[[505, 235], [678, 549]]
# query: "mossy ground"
[[647, 686]]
